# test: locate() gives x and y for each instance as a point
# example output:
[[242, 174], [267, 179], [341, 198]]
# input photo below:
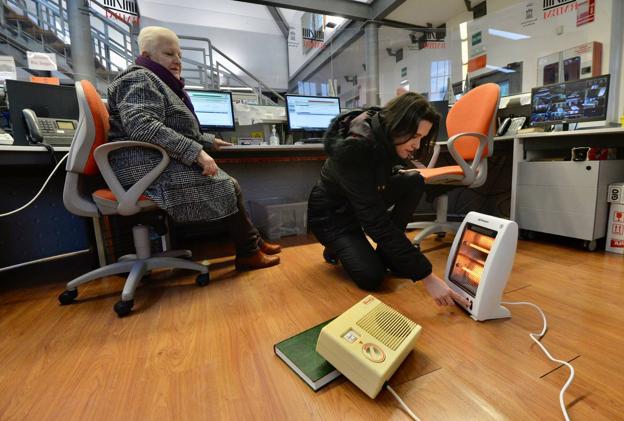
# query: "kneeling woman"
[[147, 103], [361, 180]]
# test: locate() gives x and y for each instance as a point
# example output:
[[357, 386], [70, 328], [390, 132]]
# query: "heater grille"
[[387, 325]]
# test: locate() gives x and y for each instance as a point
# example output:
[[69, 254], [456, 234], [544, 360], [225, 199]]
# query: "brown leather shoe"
[[256, 261], [269, 248]]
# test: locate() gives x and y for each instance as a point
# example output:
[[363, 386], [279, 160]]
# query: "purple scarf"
[[176, 85]]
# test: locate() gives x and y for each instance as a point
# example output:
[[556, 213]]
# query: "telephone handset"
[[510, 126], [52, 131]]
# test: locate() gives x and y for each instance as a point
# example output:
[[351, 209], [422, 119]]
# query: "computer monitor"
[[311, 113], [51, 101], [214, 109], [442, 108], [570, 102]]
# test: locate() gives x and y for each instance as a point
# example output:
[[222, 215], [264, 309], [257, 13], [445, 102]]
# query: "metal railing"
[[115, 46]]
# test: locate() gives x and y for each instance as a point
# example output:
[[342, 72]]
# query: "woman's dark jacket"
[[348, 195]]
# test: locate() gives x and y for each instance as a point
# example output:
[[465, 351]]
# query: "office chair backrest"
[[92, 131], [474, 112]]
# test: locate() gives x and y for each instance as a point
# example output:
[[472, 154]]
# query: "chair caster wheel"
[[67, 297], [202, 279], [123, 308], [330, 257]]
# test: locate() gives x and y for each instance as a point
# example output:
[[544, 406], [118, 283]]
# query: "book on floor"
[[299, 353]]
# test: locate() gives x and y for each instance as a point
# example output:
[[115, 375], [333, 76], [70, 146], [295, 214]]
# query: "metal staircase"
[[43, 26]]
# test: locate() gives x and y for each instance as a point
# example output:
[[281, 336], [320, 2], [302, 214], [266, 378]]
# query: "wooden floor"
[[206, 353]]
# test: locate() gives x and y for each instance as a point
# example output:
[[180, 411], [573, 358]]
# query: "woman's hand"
[[209, 166], [219, 143], [439, 291]]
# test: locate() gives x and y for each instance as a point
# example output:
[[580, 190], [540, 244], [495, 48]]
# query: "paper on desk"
[[525, 99]]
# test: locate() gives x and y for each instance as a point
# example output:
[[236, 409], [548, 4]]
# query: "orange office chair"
[[88, 156], [470, 125]]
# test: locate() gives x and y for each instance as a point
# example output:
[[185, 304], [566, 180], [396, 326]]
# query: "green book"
[[299, 353]]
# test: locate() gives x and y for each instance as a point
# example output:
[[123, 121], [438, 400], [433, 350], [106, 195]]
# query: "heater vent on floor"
[[386, 325]]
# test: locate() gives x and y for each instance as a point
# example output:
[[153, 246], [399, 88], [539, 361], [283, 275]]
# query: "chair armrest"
[[128, 199], [436, 154], [470, 171]]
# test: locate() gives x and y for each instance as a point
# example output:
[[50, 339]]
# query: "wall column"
[[82, 51], [371, 35]]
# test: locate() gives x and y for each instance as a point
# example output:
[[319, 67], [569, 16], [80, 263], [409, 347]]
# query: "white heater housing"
[[367, 343], [480, 262]]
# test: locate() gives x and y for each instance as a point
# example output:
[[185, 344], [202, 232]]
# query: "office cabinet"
[[565, 197]]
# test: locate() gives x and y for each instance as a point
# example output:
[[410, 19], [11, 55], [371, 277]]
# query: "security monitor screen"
[[472, 253], [570, 102], [311, 113], [214, 109]]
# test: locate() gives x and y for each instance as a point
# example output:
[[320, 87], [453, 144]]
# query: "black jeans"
[[242, 231], [366, 266]]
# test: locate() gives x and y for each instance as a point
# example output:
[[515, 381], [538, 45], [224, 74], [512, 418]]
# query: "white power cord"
[[405, 407], [2, 215], [536, 338]]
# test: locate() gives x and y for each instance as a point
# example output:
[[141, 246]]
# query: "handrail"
[[248, 74]]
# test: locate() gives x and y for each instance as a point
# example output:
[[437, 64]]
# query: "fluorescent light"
[[509, 35], [236, 88], [500, 69], [463, 30], [404, 82]]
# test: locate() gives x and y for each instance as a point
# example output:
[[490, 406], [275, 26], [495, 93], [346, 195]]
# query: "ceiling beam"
[[382, 8], [343, 8], [279, 20]]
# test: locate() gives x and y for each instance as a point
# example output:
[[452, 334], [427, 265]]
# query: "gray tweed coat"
[[143, 108]]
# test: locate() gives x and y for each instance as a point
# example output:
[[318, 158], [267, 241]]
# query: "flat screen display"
[[214, 109], [311, 113], [570, 102], [472, 253], [442, 108]]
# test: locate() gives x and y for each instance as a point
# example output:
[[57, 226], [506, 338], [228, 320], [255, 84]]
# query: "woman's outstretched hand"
[[218, 144], [209, 166], [439, 291]]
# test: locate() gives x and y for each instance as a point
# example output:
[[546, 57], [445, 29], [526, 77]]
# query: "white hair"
[[151, 36]]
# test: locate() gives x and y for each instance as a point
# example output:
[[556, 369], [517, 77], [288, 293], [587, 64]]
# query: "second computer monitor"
[[214, 109], [570, 102], [311, 113]]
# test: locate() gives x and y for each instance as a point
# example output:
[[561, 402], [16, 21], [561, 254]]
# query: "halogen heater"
[[367, 343], [480, 262]]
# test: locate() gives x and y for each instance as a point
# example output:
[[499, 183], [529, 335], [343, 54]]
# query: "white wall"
[[506, 15]]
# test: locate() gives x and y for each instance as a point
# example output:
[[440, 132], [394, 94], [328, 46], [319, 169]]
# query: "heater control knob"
[[373, 353]]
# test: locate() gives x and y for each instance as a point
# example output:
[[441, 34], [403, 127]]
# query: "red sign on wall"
[[586, 12]]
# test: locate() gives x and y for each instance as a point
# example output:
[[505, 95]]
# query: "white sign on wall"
[[41, 61], [7, 68]]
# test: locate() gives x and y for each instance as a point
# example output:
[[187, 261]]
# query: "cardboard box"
[[616, 193], [615, 229]]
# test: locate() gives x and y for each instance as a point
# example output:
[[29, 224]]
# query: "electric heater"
[[367, 343], [480, 262]]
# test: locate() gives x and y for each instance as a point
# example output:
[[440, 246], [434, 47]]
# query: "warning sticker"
[[617, 243]]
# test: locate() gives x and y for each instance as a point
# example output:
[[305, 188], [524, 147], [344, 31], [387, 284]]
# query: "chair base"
[[137, 266], [440, 226], [436, 228]]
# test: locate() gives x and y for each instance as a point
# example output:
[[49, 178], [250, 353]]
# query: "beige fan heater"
[[367, 343]]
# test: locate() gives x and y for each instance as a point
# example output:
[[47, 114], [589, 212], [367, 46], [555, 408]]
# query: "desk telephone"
[[510, 126], [52, 131]]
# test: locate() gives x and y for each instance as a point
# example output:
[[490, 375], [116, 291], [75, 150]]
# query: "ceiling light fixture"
[[508, 35]]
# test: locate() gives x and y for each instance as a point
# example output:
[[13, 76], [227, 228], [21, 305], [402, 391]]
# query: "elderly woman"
[[147, 103]]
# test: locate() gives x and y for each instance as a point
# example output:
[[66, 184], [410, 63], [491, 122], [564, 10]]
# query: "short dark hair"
[[402, 115]]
